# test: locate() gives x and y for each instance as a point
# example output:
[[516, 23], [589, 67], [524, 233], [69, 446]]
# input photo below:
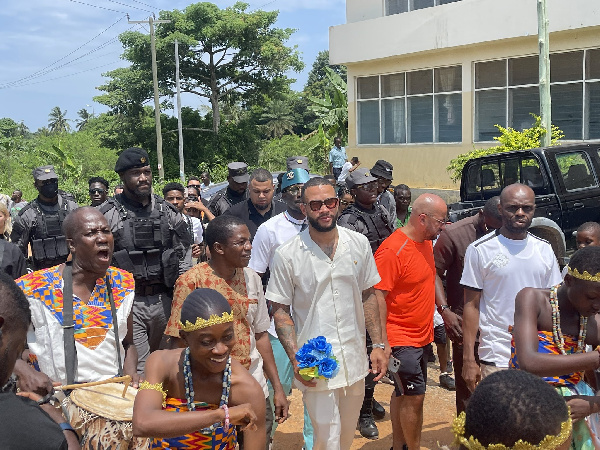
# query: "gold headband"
[[203, 323], [550, 442], [583, 276]]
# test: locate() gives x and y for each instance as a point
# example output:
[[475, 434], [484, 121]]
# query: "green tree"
[[317, 84], [226, 55], [84, 118], [8, 127], [332, 111], [277, 119], [57, 121], [510, 139]]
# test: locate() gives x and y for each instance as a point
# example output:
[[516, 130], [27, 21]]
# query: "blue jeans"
[[286, 376]]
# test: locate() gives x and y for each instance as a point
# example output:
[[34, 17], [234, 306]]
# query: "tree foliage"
[[227, 54], [510, 139], [332, 111], [57, 121], [318, 84]]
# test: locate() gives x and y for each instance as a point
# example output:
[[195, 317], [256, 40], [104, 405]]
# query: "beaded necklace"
[[189, 388], [559, 339]]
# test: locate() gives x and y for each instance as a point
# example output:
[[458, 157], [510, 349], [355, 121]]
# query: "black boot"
[[378, 411], [366, 423], [367, 427]]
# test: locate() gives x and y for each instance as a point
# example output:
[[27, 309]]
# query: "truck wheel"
[[548, 230]]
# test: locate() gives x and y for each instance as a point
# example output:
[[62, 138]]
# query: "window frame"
[[585, 110], [405, 97]]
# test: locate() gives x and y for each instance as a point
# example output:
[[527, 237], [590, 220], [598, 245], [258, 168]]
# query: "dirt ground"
[[438, 415]]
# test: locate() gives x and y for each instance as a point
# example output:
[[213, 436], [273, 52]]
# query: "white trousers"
[[334, 414]]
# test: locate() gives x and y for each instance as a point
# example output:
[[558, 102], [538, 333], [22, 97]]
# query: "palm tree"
[[57, 121], [277, 119], [84, 117]]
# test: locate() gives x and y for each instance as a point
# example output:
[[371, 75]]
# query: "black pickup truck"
[[565, 179]]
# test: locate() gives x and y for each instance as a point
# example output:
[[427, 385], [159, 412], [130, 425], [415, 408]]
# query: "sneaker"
[[378, 410], [367, 427], [449, 367], [447, 382]]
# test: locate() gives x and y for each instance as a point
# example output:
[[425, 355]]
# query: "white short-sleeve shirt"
[[500, 267], [258, 319], [326, 296]]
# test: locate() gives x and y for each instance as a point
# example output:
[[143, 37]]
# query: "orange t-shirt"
[[407, 271]]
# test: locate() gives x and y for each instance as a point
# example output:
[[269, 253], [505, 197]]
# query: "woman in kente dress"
[[193, 398], [551, 331]]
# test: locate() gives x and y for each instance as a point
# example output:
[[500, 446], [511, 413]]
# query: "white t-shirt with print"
[[500, 267]]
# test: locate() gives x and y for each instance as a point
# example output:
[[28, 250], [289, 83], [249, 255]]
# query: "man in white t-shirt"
[[347, 168], [497, 266]]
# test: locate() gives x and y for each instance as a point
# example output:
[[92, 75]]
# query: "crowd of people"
[[206, 305]]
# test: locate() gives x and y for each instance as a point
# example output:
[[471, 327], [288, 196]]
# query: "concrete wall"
[[456, 33]]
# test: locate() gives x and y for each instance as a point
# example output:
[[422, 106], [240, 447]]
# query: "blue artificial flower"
[[308, 361], [305, 350], [328, 367], [320, 344]]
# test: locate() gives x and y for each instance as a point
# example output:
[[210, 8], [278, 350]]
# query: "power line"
[[24, 80], [145, 4], [35, 74], [69, 75], [96, 6], [130, 6]]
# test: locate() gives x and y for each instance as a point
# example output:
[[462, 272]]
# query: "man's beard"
[[317, 226], [262, 207]]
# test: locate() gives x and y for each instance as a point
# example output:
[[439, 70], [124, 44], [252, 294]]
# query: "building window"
[[507, 92], [402, 6], [411, 107]]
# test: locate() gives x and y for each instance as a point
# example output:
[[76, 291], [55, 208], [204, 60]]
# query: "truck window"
[[531, 175], [575, 171], [490, 178], [510, 171]]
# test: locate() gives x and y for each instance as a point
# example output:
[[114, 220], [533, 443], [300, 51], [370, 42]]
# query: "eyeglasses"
[[294, 190], [316, 205], [346, 203], [441, 222], [97, 191], [192, 198], [372, 186]]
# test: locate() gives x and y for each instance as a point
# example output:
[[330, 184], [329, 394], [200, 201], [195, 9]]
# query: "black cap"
[[132, 158], [44, 173], [239, 172], [297, 162], [382, 169], [359, 176]]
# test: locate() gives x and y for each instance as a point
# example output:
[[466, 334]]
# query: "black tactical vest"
[[143, 243], [48, 243], [378, 223]]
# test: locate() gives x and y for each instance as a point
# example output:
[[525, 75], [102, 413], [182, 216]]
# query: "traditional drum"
[[102, 417]]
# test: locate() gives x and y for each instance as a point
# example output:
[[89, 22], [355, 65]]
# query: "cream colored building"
[[428, 79]]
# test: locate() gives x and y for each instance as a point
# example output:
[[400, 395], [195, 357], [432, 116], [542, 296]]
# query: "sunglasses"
[[316, 205], [294, 190], [97, 191], [346, 203], [372, 186]]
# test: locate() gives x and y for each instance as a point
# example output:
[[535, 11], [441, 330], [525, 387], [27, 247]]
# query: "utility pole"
[[151, 22], [544, 60], [179, 124]]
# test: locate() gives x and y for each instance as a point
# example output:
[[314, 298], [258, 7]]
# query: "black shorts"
[[439, 334], [413, 369]]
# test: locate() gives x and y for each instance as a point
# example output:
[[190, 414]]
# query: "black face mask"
[[49, 190]]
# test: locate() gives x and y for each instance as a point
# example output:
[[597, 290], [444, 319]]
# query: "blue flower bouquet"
[[316, 360]]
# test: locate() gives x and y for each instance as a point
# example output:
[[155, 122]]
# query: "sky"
[[53, 52]]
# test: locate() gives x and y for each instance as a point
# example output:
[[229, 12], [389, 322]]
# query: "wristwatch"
[[381, 346], [442, 308]]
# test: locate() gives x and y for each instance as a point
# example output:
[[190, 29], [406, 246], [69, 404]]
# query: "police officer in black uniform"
[[153, 242], [40, 222], [235, 192], [367, 217]]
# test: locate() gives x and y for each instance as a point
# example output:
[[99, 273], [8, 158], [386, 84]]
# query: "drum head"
[[106, 401]]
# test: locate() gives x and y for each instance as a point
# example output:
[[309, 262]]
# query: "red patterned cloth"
[[234, 290]]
